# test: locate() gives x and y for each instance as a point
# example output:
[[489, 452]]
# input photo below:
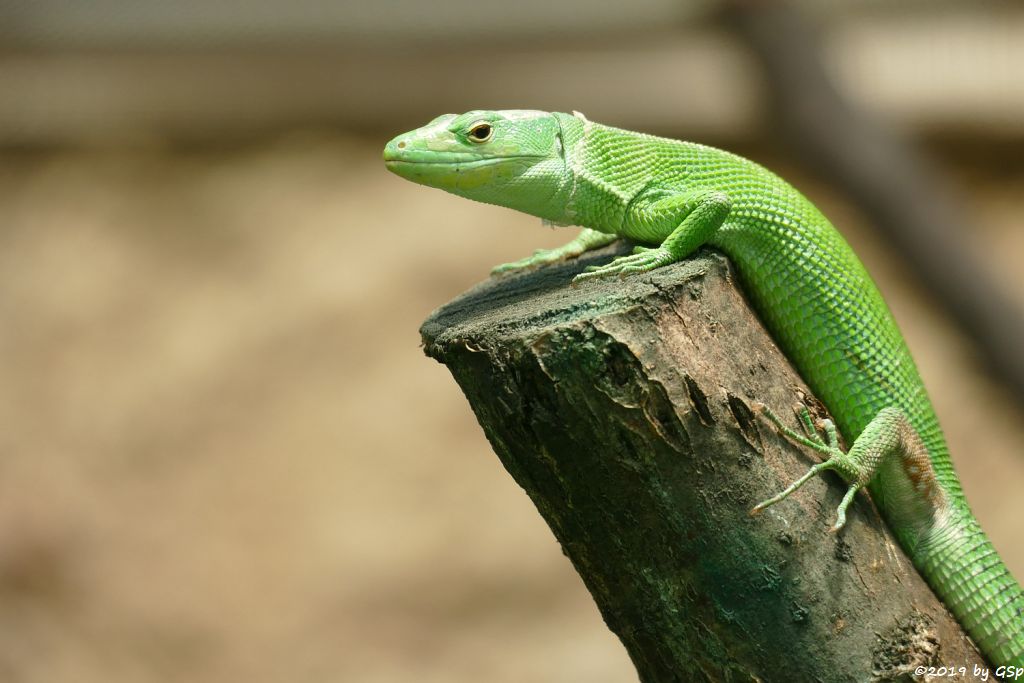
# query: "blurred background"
[[223, 455]]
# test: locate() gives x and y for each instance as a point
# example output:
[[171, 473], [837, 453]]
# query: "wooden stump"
[[622, 407]]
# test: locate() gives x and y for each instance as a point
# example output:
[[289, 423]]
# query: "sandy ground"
[[225, 458]]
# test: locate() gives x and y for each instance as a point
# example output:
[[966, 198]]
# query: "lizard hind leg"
[[889, 434]]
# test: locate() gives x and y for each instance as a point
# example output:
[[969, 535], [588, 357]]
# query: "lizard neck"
[[602, 191], [543, 190], [547, 187]]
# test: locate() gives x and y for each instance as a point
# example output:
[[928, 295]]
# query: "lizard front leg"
[[585, 241], [695, 217]]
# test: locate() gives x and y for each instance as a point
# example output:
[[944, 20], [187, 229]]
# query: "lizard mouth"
[[459, 162], [454, 171]]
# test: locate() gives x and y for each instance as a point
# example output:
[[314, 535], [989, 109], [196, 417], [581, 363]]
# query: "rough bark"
[[622, 407]]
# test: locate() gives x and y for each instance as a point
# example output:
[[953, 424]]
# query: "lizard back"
[[826, 313]]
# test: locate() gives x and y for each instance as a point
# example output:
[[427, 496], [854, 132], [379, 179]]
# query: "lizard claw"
[[637, 262]]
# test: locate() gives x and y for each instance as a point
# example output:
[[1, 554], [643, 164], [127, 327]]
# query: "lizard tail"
[[964, 569]]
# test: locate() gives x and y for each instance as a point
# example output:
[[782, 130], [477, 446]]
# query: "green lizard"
[[806, 283]]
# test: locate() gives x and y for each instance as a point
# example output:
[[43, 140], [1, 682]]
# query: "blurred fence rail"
[[107, 74]]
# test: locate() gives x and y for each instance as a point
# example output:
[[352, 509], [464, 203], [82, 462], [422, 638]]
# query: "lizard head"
[[512, 158]]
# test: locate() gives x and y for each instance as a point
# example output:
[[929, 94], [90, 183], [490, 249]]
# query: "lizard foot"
[[585, 241], [641, 260], [541, 257], [837, 461]]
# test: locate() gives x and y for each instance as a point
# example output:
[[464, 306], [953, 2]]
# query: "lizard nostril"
[[401, 145]]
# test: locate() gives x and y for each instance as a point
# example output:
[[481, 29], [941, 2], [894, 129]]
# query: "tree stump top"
[[622, 407]]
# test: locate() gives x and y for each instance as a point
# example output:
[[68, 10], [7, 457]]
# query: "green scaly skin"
[[805, 282]]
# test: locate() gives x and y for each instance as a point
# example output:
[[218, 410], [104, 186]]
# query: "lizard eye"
[[481, 132]]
